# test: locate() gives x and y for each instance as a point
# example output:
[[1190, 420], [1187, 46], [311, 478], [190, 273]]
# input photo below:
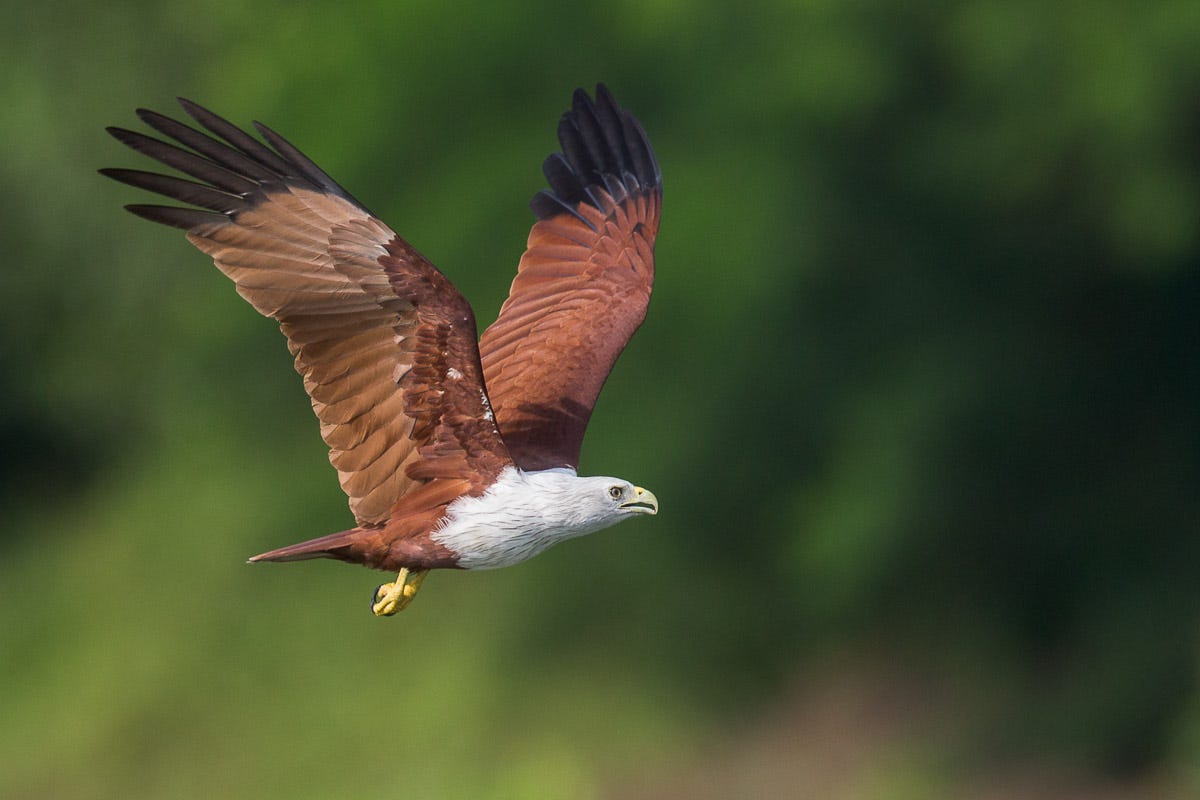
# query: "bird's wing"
[[385, 343], [582, 286]]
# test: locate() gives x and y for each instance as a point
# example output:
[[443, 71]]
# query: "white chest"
[[521, 515]]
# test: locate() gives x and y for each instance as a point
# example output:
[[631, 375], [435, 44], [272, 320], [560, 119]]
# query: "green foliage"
[[919, 383]]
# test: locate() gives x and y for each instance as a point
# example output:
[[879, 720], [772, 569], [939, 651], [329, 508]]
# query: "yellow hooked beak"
[[643, 502]]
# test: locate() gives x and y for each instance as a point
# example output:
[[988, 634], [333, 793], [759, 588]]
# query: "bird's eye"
[[614, 492]]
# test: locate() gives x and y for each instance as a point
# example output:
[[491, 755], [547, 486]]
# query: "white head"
[[523, 513], [593, 503]]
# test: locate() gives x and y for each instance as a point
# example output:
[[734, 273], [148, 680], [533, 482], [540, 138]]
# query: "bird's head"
[[611, 500], [579, 505], [625, 498]]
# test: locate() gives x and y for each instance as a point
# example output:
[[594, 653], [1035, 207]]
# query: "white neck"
[[519, 516]]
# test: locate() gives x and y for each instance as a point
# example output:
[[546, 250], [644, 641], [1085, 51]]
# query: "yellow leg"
[[392, 597]]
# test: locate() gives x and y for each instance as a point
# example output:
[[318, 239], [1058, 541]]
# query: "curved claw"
[[391, 598], [377, 595]]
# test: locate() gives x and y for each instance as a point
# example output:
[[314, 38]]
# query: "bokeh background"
[[919, 392]]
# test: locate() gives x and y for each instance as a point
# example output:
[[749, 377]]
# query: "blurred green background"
[[919, 392]]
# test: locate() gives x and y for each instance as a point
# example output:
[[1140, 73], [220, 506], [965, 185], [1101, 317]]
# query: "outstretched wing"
[[384, 342], [582, 286]]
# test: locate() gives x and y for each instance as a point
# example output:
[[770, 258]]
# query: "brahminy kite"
[[453, 452]]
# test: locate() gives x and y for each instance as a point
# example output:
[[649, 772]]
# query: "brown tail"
[[335, 545]]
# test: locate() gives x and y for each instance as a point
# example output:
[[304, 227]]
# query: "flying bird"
[[455, 453]]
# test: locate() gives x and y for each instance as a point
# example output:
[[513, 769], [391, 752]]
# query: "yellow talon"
[[391, 598]]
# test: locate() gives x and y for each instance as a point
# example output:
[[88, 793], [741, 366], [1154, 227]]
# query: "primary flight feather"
[[454, 453]]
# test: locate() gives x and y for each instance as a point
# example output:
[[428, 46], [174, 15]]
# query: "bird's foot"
[[390, 598]]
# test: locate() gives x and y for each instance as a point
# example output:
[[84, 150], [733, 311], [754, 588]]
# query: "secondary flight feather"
[[453, 452]]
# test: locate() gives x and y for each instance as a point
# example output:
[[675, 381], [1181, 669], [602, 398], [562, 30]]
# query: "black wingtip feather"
[[219, 152], [178, 189], [241, 140], [183, 218], [235, 169], [307, 167], [547, 204], [561, 177], [603, 148]]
